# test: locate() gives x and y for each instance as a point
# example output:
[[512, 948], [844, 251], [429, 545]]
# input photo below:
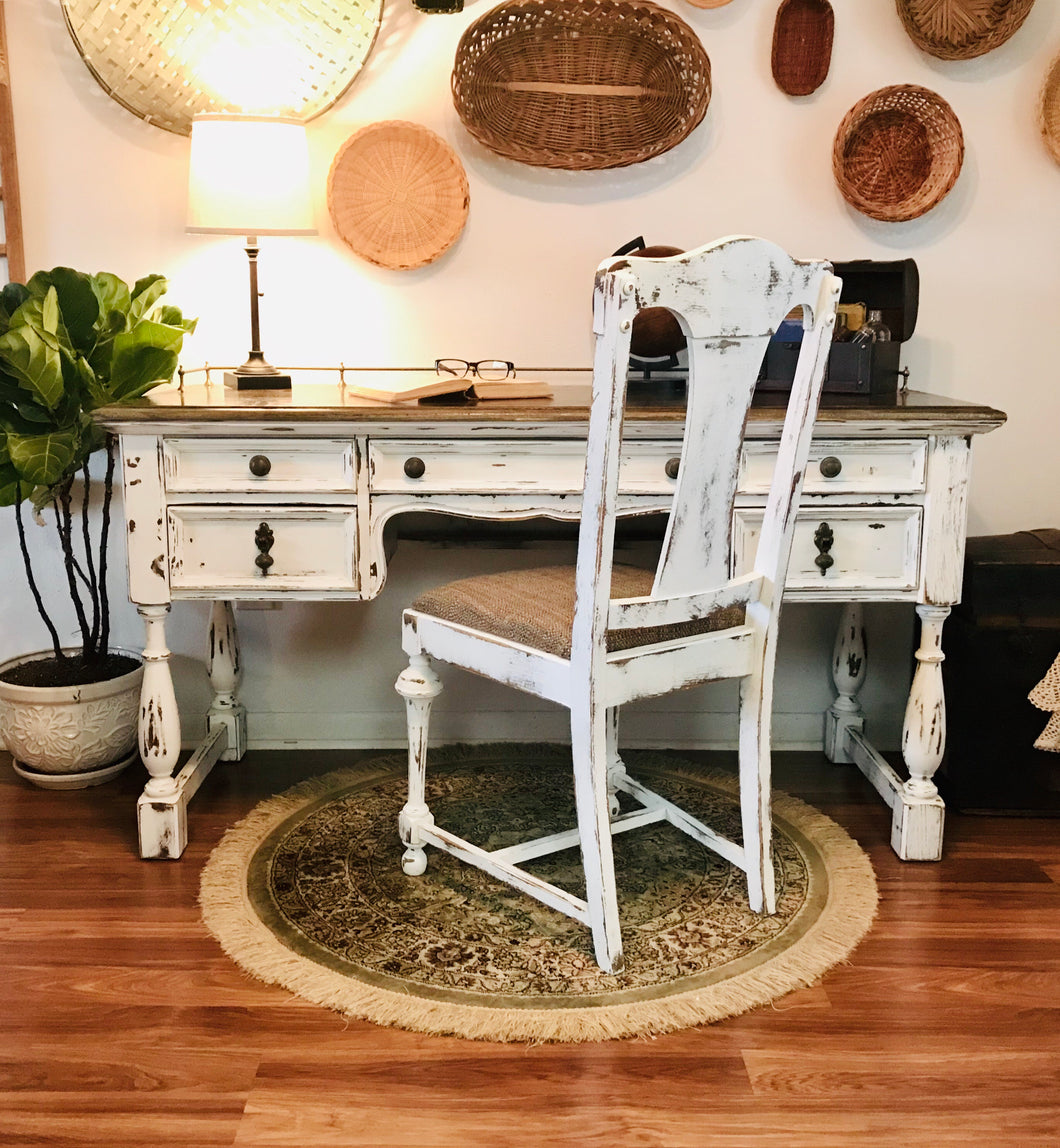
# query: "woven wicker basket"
[[802, 45], [898, 152], [1049, 110], [154, 57], [709, 3], [397, 194], [961, 29], [580, 84]]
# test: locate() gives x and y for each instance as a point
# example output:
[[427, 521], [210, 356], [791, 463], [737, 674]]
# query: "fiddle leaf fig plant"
[[70, 343]]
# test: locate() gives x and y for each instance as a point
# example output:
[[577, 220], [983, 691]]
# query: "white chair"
[[596, 635]]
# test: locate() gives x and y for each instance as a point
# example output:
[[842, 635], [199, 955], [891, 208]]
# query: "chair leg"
[[419, 685], [755, 795], [616, 767], [589, 747]]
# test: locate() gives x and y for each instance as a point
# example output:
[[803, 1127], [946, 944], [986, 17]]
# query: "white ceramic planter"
[[70, 737]]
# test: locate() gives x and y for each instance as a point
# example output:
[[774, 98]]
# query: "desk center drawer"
[[220, 466], [524, 466]]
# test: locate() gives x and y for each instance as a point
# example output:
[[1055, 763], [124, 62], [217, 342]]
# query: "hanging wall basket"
[[580, 85], [898, 152], [1049, 110], [398, 194], [167, 62], [802, 45], [961, 29]]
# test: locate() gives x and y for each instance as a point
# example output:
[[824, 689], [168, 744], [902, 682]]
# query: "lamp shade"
[[249, 175]]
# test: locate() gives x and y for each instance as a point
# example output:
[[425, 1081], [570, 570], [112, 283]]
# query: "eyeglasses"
[[492, 370]]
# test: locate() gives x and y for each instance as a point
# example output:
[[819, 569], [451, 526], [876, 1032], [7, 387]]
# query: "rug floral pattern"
[[328, 882]]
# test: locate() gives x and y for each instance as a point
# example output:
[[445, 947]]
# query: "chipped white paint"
[[336, 473], [728, 298]]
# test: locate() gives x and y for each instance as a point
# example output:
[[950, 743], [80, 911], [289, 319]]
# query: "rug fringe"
[[228, 914]]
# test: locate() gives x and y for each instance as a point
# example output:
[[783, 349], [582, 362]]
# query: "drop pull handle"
[[415, 467], [823, 539], [263, 539], [260, 465]]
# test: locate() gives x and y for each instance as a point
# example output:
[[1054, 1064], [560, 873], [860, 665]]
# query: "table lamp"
[[249, 175]]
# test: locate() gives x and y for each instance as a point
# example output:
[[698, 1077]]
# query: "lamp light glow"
[[249, 175]]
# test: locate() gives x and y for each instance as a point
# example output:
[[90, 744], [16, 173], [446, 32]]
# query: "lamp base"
[[257, 381]]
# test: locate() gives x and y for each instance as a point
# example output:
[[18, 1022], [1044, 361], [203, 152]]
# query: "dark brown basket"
[[961, 29], [578, 84], [898, 152], [802, 45]]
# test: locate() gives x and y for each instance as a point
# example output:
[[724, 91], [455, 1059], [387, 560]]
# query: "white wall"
[[104, 191]]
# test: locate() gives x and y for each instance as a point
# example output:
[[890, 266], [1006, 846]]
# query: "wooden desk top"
[[654, 401]]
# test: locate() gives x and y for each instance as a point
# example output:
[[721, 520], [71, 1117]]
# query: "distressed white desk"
[[256, 495]]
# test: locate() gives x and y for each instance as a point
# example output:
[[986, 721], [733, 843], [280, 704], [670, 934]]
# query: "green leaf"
[[174, 317], [43, 459], [113, 297], [12, 297], [8, 484], [137, 367], [36, 364], [145, 294]]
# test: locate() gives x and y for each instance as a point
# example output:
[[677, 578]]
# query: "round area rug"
[[307, 892]]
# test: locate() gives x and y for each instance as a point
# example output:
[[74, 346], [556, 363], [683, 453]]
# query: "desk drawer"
[[514, 467], [221, 466], [215, 547], [842, 467], [871, 548]]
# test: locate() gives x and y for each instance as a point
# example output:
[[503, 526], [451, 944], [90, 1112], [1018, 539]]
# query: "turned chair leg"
[[755, 799], [419, 685]]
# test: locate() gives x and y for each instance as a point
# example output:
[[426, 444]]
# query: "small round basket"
[[897, 153], [709, 3], [961, 29], [1049, 110], [580, 84], [397, 194]]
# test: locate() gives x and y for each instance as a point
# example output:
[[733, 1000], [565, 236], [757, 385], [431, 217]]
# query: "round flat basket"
[[1049, 110], [709, 3], [897, 153], [397, 194], [961, 29], [167, 62], [580, 84]]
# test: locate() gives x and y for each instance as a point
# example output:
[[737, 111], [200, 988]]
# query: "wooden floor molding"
[[123, 1024]]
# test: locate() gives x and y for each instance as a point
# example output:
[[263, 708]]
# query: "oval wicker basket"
[[898, 152], [802, 45], [1049, 109], [397, 194], [580, 84], [709, 3], [961, 29]]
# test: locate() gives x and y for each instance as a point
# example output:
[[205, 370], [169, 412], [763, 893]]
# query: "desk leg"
[[848, 674], [162, 809], [917, 810], [224, 669]]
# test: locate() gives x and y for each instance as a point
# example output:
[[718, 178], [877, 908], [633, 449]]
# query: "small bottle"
[[873, 330], [842, 332]]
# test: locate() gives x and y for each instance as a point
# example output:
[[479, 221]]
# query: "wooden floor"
[[123, 1023]]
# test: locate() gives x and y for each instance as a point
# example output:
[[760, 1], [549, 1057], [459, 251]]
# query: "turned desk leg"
[[848, 674], [917, 810], [162, 809], [919, 813], [225, 670]]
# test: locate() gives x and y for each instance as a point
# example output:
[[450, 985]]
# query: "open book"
[[399, 387]]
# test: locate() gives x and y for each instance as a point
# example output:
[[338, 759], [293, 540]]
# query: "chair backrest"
[[729, 297]]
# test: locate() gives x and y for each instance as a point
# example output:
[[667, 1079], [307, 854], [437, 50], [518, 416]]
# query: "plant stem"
[[65, 534], [90, 565], [104, 536], [29, 574]]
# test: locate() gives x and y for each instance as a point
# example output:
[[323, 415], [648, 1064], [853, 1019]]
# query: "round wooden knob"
[[415, 467], [830, 466], [673, 465], [260, 465]]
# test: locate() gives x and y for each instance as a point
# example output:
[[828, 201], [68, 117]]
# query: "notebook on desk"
[[401, 387]]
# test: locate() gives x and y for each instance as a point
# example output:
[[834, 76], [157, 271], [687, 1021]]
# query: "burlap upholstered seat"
[[536, 608]]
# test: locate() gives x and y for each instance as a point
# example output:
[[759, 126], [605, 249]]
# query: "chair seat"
[[536, 608]]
